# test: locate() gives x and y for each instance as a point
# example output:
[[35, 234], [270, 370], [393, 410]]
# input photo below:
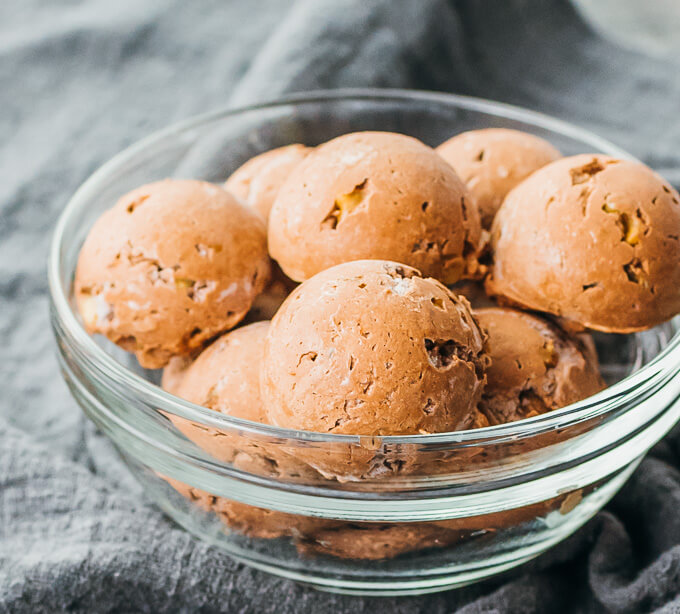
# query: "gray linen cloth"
[[80, 80]]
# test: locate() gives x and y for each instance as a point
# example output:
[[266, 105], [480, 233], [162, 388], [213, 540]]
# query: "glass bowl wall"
[[388, 515]]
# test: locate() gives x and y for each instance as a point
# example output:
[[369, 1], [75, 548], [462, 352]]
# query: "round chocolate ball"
[[492, 161], [169, 267], [373, 348], [225, 377], [375, 195], [593, 239], [535, 367], [257, 182]]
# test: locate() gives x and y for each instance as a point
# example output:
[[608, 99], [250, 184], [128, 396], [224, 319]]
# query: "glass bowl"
[[372, 515]]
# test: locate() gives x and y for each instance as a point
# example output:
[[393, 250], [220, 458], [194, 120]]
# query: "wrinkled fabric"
[[80, 80]]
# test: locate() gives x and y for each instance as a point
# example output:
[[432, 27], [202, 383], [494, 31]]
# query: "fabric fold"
[[80, 82]]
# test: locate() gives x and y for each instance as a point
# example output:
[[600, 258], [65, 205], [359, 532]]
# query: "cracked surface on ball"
[[170, 266], [593, 239], [375, 195], [373, 348], [535, 367]]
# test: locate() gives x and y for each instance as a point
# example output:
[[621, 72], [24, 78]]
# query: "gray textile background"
[[81, 80]]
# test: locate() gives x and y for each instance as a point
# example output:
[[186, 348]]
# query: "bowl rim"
[[648, 376]]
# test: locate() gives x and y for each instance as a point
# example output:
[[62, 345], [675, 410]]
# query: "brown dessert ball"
[[535, 366], [226, 378], [321, 536], [375, 195], [226, 375], [250, 520], [593, 239], [372, 348], [257, 182], [170, 266], [513, 518], [493, 161], [376, 541]]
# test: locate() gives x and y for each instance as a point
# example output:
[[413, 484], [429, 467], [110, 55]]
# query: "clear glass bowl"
[[374, 515]]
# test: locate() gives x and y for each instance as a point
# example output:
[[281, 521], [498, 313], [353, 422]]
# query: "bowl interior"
[[212, 146]]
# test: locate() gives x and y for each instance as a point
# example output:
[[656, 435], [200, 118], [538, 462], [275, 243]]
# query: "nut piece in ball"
[[372, 348], [493, 161], [535, 366], [169, 267], [257, 182], [375, 195], [593, 239]]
